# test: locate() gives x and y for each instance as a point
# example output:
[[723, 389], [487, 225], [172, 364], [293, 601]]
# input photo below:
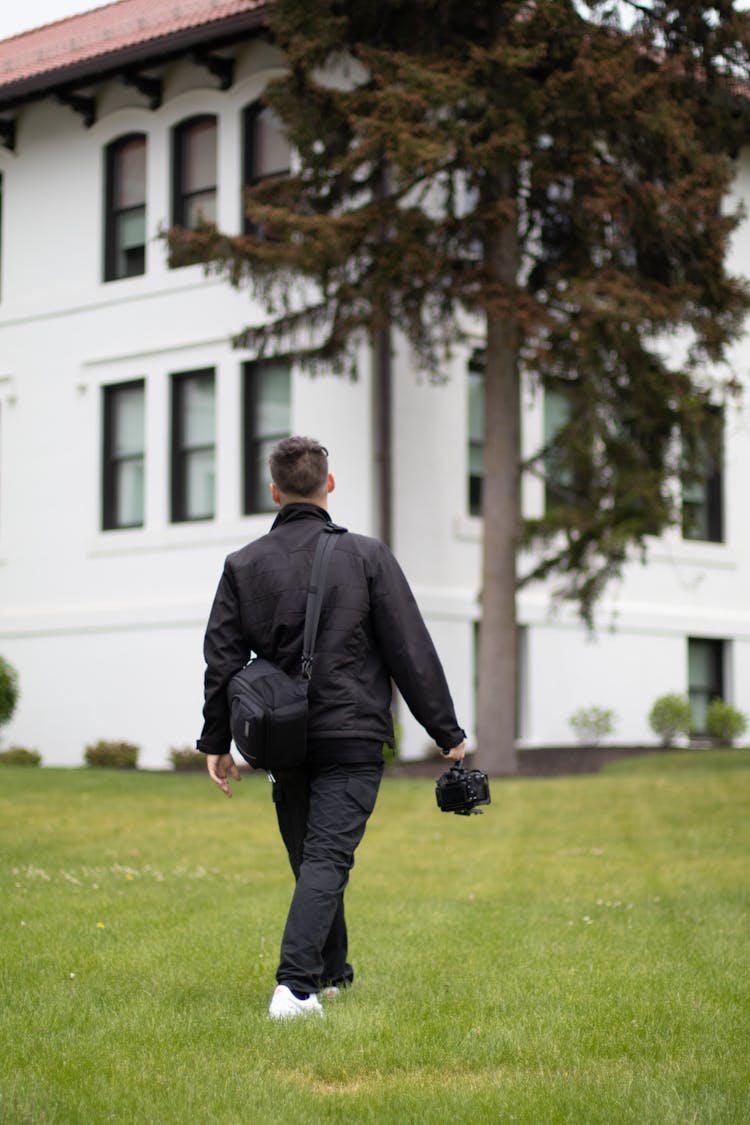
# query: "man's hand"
[[219, 765], [457, 753]]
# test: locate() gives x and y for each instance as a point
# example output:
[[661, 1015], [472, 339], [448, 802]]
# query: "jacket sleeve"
[[225, 650], [409, 653]]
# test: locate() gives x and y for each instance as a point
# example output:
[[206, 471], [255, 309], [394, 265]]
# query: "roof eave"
[[142, 55]]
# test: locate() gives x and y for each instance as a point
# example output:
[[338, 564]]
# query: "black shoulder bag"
[[268, 708]]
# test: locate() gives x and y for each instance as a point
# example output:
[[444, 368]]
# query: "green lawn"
[[577, 954]]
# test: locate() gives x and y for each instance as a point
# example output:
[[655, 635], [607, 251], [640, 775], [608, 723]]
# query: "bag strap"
[[324, 548]]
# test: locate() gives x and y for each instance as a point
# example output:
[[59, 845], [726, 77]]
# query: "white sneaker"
[[330, 992], [285, 1005]]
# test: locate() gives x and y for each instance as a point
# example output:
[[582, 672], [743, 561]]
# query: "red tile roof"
[[98, 40]]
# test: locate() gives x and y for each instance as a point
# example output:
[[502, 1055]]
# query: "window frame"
[[112, 214], [711, 506], [701, 695], [180, 452], [256, 501], [179, 196], [111, 464], [475, 481], [250, 176]]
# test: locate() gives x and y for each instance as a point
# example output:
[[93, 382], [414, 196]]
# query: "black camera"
[[460, 790]]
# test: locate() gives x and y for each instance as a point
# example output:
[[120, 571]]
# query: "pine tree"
[[555, 171]]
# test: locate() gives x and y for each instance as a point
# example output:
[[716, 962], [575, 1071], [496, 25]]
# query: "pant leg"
[[291, 795], [339, 800]]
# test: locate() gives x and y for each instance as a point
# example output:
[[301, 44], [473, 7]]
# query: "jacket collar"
[[301, 512]]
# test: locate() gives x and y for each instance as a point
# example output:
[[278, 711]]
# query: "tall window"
[[267, 419], [125, 208], [703, 494], [475, 435], [194, 172], [123, 455], [266, 151], [705, 677], [558, 479], [193, 446]]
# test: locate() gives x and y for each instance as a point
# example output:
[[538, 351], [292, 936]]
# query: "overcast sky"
[[18, 17]]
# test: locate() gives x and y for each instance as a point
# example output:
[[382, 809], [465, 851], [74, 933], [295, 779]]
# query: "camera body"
[[460, 790]]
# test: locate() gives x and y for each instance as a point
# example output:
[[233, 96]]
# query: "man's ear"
[[275, 494], [330, 483]]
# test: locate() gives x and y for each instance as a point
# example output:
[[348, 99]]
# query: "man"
[[370, 632]]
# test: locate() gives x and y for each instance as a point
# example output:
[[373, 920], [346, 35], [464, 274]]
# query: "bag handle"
[[324, 548]]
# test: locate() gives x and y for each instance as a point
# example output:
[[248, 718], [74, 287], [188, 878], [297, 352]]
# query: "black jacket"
[[370, 630]]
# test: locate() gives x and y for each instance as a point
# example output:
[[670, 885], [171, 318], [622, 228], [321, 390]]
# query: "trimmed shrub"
[[670, 715], [592, 724], [724, 722], [112, 755], [186, 760], [8, 690], [20, 756]]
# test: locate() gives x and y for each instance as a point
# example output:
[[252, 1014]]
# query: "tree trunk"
[[496, 719]]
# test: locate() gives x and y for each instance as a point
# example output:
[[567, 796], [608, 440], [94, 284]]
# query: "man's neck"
[[316, 501]]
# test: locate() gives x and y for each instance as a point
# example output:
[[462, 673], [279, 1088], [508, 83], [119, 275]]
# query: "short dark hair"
[[299, 466]]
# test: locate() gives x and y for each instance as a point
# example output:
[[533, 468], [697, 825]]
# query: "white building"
[[131, 434]]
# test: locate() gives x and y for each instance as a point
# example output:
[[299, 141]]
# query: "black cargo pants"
[[322, 813]]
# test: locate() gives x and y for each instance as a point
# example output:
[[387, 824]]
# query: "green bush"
[[8, 690], [724, 722], [20, 756], [592, 724], [112, 755], [670, 715], [184, 759]]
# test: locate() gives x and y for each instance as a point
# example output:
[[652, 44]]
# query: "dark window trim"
[[252, 501], [475, 481], [179, 197], [110, 214], [250, 177], [110, 463], [713, 491], [179, 451], [714, 690]]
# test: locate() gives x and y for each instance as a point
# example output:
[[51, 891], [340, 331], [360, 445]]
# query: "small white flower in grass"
[[23, 923]]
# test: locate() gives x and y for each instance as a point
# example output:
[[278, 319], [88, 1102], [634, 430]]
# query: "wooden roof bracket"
[[218, 65], [146, 84], [82, 104], [8, 133]]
